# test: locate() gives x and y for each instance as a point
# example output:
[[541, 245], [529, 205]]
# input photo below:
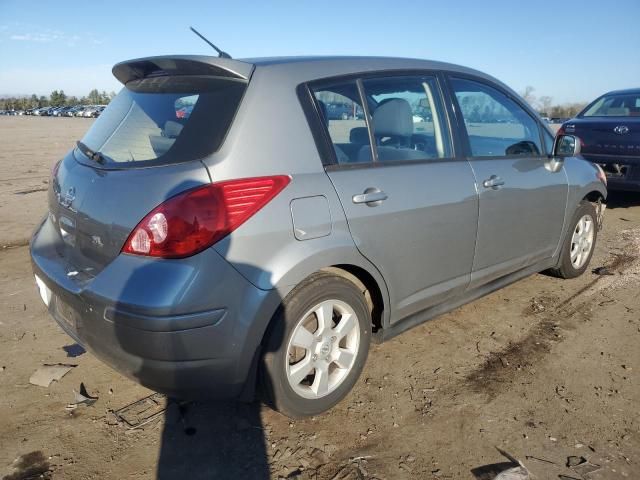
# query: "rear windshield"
[[165, 120], [618, 105]]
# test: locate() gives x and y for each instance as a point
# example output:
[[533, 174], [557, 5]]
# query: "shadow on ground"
[[623, 200], [221, 440]]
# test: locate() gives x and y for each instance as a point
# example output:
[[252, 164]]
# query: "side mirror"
[[566, 146]]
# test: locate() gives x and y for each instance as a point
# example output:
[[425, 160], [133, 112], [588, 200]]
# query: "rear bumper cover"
[[188, 328]]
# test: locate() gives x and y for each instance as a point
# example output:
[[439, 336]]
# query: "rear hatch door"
[[145, 148]]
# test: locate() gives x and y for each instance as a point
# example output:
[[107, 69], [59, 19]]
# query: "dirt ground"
[[545, 369]]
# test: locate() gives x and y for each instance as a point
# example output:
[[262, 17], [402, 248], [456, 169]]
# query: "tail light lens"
[[196, 219]]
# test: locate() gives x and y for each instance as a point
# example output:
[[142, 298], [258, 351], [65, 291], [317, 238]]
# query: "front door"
[[522, 193]]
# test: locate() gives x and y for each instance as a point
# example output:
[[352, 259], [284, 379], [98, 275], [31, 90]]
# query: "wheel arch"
[[361, 273], [369, 288], [595, 196]]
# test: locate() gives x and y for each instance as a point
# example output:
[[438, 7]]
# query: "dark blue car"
[[609, 130]]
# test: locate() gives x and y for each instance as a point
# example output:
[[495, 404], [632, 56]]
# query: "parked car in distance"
[[339, 111], [60, 112], [609, 133], [270, 244], [79, 111], [90, 111], [73, 110]]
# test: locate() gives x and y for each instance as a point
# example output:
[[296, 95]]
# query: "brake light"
[[560, 131], [196, 219]]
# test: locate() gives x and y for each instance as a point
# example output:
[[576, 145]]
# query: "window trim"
[[323, 140], [462, 130], [314, 121], [367, 118]]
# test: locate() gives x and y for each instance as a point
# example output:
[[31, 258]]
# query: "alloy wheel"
[[322, 349]]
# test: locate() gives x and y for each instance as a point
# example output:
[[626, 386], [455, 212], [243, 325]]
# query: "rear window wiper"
[[95, 156]]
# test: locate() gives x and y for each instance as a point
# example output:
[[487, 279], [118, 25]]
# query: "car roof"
[[349, 62], [627, 91]]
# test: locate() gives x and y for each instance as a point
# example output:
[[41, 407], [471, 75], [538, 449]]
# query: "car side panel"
[[266, 251]]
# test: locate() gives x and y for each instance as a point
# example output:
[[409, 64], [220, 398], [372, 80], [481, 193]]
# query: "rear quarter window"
[[165, 120]]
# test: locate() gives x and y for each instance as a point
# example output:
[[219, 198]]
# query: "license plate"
[[45, 292]]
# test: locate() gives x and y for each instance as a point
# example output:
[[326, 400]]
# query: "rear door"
[[522, 194], [410, 204]]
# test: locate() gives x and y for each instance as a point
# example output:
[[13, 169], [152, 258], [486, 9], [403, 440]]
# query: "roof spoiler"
[[181, 65]]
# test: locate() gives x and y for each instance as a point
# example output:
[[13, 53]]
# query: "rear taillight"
[[560, 131], [196, 219]]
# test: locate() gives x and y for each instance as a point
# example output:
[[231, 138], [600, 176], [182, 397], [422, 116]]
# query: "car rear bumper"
[[188, 328]]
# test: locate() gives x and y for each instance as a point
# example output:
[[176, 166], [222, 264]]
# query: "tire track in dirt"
[[501, 366]]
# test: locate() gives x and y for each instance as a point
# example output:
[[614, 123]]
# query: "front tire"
[[316, 346], [580, 242]]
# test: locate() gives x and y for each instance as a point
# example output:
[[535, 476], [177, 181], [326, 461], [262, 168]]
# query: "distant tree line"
[[544, 105], [57, 99]]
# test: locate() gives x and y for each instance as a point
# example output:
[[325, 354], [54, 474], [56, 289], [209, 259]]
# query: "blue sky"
[[569, 50]]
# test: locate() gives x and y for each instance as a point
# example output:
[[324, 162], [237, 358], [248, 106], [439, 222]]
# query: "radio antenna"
[[221, 54]]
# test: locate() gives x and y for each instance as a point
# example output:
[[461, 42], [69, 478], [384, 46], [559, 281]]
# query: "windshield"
[[165, 120], [618, 105]]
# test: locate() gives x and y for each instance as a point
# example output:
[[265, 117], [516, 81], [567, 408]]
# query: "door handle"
[[372, 197], [494, 182]]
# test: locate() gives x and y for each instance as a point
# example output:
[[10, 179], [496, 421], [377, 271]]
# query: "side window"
[[339, 105], [495, 124], [407, 119]]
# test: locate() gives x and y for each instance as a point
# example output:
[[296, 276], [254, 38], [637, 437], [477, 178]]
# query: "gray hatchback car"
[[214, 231]]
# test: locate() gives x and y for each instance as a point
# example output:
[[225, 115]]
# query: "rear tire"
[[316, 346], [579, 244]]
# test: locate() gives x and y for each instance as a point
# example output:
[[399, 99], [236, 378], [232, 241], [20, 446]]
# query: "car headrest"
[[359, 135], [393, 118]]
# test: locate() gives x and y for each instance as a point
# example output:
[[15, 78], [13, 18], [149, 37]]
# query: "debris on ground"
[[531, 457], [572, 461], [515, 473], [582, 466], [537, 306], [602, 271], [49, 373], [82, 397], [518, 472], [142, 412], [74, 350], [511, 470]]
